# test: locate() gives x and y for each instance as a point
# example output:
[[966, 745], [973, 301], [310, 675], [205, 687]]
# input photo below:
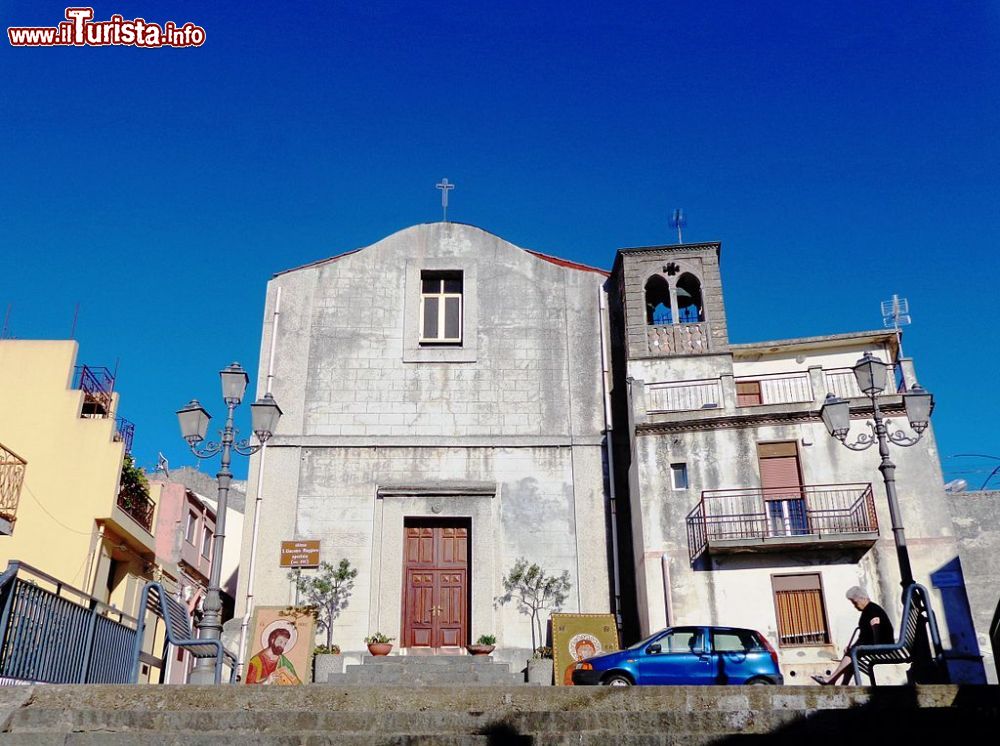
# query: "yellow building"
[[71, 520]]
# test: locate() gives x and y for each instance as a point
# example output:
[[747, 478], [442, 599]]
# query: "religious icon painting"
[[579, 636], [280, 644]]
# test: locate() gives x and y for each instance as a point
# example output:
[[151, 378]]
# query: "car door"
[[679, 656]]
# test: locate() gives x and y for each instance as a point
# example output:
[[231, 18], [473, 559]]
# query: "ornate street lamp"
[[871, 375], [193, 420]]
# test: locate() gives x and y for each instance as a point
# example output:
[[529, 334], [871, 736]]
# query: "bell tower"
[[670, 300]]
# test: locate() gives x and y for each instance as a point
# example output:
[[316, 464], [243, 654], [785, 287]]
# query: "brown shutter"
[[798, 602], [779, 471], [748, 394]]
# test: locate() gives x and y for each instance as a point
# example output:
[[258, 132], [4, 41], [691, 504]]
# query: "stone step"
[[497, 678], [426, 660], [454, 666], [364, 738]]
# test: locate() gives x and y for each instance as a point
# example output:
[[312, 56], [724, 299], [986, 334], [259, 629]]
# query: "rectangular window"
[[206, 543], [748, 394], [441, 307], [679, 476], [801, 613], [189, 530]]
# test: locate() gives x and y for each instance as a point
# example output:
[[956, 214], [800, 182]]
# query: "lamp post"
[[836, 413], [194, 423], [870, 373]]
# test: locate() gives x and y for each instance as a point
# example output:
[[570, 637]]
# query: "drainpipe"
[[667, 610], [251, 564], [612, 498]]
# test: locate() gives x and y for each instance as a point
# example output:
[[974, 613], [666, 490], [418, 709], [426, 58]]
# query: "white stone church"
[[453, 402]]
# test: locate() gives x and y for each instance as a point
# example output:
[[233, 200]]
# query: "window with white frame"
[[441, 308], [189, 529], [679, 476], [206, 543]]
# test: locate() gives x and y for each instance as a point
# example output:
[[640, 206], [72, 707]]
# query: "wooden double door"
[[436, 583]]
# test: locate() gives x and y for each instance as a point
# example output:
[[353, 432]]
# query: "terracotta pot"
[[480, 649], [379, 648]]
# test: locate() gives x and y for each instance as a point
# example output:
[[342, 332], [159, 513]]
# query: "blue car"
[[686, 655]]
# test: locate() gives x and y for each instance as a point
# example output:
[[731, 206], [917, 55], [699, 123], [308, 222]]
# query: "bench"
[[916, 613], [178, 631]]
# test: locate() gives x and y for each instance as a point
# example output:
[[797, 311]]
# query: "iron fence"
[[762, 513], [12, 469], [97, 385], [136, 503], [781, 388], [124, 432], [53, 633], [842, 382]]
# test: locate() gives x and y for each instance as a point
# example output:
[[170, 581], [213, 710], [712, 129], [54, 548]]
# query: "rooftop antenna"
[[6, 318], [445, 187], [162, 464], [76, 315], [896, 314], [678, 221]]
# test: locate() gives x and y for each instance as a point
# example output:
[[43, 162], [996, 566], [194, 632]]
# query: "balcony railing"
[[687, 395], [124, 432], [12, 469], [97, 385], [842, 383], [747, 519], [773, 388], [678, 339], [136, 503]]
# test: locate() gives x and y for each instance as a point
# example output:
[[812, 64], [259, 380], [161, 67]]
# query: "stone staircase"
[[492, 716], [427, 670]]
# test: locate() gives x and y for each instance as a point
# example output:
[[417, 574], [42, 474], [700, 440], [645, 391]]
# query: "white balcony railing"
[[684, 396]]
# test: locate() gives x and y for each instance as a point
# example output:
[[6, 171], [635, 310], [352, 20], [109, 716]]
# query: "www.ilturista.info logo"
[[81, 30]]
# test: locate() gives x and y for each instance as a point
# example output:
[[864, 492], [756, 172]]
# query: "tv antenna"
[[896, 314], [678, 221]]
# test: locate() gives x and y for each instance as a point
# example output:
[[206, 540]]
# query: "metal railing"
[[97, 385], [12, 468], [842, 383], [683, 396], [53, 633], [136, 503], [782, 388], [124, 432], [758, 513]]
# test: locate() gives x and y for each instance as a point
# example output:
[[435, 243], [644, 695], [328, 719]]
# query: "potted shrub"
[[327, 594], [379, 644], [326, 660], [534, 590], [540, 666], [484, 645]]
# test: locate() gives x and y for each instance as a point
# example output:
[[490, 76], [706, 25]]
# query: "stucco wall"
[[978, 530], [520, 409]]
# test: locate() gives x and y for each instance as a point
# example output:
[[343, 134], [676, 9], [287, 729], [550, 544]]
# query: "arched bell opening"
[[690, 306], [658, 312]]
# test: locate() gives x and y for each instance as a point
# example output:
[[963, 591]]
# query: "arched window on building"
[[690, 306], [658, 311]]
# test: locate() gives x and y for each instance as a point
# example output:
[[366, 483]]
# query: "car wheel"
[[617, 680], [760, 682]]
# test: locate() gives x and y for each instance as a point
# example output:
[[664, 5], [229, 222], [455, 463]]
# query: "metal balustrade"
[[756, 514], [53, 633], [12, 468], [687, 395]]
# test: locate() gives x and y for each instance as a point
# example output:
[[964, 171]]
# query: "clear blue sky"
[[841, 151]]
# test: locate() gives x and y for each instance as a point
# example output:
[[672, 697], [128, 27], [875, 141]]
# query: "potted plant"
[[535, 590], [326, 593], [541, 666], [326, 660], [484, 645], [379, 644]]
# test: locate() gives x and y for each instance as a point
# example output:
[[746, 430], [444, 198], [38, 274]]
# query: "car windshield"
[[643, 643]]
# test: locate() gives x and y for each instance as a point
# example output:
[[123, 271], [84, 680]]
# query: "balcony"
[[124, 432], [97, 385], [12, 469], [826, 516], [138, 506], [678, 339], [802, 390]]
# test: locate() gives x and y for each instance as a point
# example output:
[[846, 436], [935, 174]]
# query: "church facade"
[[454, 403]]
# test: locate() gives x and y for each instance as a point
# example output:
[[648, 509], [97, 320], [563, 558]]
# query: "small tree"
[[534, 591], [326, 593]]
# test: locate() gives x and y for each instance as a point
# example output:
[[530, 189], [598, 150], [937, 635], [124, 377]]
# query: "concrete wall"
[[975, 520], [517, 413]]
